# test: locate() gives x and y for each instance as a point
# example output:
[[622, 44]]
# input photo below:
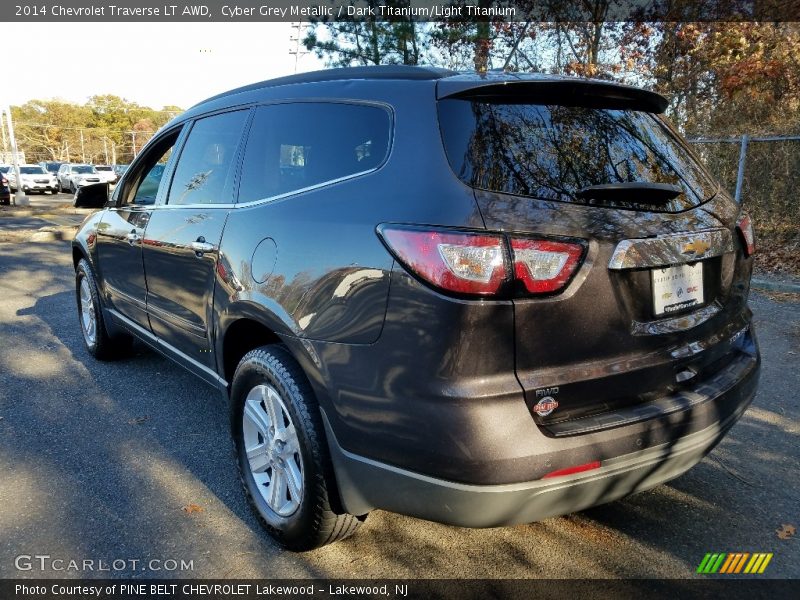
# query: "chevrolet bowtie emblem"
[[696, 248]]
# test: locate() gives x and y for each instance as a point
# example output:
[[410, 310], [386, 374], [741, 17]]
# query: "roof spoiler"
[[563, 91]]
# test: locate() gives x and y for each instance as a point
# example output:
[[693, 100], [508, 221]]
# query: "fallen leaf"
[[139, 420], [786, 531], [192, 508]]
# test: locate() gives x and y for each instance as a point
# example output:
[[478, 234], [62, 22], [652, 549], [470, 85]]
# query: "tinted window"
[[31, 171], [83, 169], [552, 152], [205, 167], [148, 188], [294, 146], [143, 187]]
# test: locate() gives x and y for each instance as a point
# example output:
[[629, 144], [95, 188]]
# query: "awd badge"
[[545, 406]]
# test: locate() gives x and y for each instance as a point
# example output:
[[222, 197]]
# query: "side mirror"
[[92, 196]]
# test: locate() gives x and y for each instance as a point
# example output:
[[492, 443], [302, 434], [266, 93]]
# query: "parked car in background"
[[5, 191], [33, 179], [51, 166], [74, 176], [550, 313], [106, 173]]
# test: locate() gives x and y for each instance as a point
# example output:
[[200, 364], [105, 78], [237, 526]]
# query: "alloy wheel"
[[273, 450], [88, 320]]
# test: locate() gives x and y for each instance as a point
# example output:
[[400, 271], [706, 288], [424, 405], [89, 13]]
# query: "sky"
[[153, 64]]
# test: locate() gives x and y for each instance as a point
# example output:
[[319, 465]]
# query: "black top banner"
[[400, 10]]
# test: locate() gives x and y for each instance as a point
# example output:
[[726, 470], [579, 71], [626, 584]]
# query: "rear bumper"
[[366, 484]]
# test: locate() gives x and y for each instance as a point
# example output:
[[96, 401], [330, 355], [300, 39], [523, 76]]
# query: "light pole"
[[20, 199]]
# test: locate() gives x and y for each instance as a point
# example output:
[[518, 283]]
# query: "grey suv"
[[475, 299]]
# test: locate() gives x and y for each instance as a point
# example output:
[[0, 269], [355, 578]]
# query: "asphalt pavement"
[[131, 461]]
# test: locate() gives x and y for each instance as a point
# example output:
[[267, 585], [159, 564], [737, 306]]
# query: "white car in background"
[[73, 176], [107, 173], [33, 179]]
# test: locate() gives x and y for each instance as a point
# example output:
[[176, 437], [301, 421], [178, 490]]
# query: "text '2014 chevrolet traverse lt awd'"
[[475, 299]]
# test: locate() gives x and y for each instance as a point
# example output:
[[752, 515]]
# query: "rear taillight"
[[475, 263], [745, 227], [545, 266], [463, 263]]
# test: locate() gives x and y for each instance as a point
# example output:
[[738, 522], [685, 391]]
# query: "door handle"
[[133, 237], [201, 246]]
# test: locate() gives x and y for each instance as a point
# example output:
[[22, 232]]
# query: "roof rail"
[[407, 72]]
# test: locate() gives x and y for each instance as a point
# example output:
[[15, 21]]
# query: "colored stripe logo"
[[734, 562]]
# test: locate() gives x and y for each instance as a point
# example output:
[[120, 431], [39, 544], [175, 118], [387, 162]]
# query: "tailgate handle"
[[673, 249]]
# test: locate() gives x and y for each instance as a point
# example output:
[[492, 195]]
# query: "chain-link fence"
[[762, 172]]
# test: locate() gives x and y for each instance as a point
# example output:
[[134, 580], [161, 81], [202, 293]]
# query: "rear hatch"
[[659, 299]]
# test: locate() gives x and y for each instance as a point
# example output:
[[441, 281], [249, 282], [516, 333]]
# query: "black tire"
[[317, 520], [101, 345]]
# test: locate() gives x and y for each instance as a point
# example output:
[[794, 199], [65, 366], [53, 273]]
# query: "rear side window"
[[295, 146], [552, 151], [205, 167]]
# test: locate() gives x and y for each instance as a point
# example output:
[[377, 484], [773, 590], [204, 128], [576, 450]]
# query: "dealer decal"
[[545, 406]]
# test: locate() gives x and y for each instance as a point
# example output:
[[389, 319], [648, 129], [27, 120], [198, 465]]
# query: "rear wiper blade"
[[641, 192]]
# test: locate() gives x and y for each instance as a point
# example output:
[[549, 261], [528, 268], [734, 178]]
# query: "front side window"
[[295, 146], [148, 187], [142, 188], [204, 173]]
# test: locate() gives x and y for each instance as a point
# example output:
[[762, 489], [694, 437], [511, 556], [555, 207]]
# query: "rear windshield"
[[552, 152]]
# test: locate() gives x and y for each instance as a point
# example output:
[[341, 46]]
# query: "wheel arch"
[[78, 253], [238, 338], [247, 325]]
